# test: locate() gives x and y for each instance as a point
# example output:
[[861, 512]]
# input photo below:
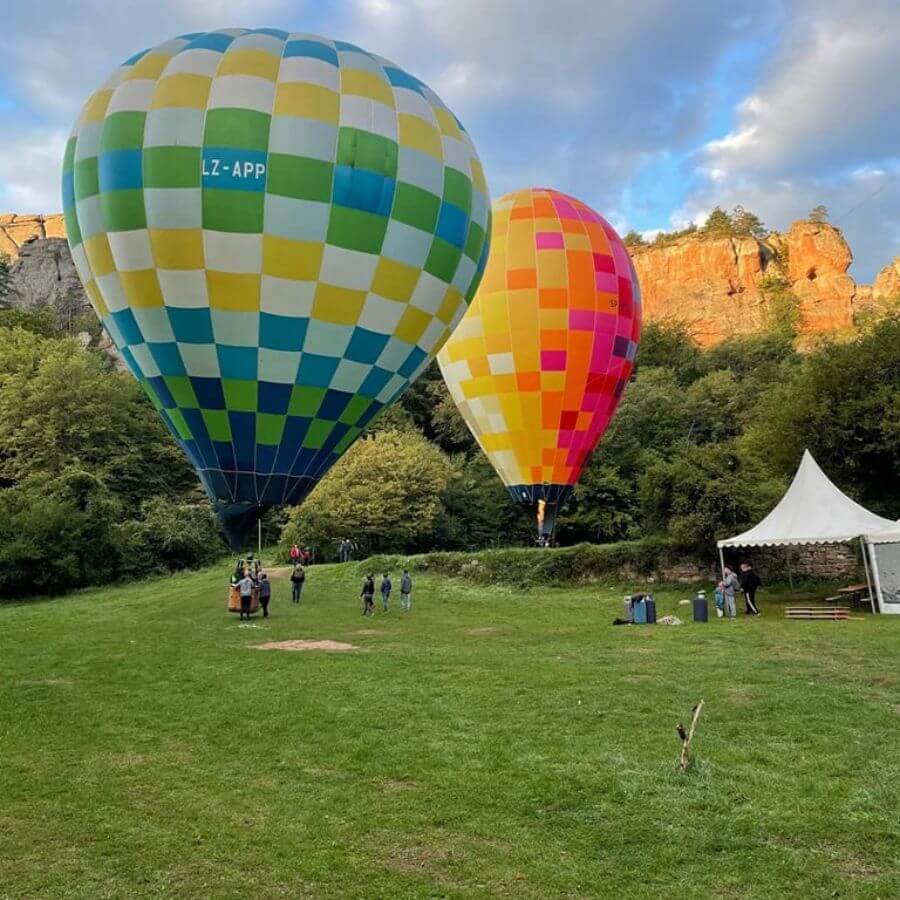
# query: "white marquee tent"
[[884, 562], [812, 511]]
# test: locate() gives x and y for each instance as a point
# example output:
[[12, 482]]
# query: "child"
[[265, 594], [385, 591], [720, 599]]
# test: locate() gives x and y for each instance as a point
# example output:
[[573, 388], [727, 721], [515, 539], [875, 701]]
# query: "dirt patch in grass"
[[327, 646], [477, 631], [398, 784], [368, 631], [420, 861]]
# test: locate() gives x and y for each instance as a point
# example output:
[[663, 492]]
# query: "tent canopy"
[[812, 511], [889, 535]]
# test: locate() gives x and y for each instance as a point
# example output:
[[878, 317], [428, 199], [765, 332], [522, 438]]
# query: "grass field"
[[491, 743]]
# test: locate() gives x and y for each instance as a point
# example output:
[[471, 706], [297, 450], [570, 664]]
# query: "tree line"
[[94, 489]]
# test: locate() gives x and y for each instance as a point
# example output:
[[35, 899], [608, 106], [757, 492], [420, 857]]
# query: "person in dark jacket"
[[265, 594], [386, 591], [298, 579], [406, 591], [368, 595], [750, 583]]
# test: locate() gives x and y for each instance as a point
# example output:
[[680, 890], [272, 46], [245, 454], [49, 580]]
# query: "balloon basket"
[[234, 600]]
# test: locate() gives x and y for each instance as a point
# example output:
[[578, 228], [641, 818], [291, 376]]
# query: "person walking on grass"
[[750, 583], [386, 591], [730, 585], [295, 555], [298, 579], [265, 594], [245, 586], [405, 591], [368, 595]]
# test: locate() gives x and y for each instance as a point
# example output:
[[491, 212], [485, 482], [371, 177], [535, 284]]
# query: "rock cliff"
[[716, 286]]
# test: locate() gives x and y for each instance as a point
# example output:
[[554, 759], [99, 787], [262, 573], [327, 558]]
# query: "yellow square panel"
[[99, 255], [234, 292], [447, 123], [552, 269], [258, 63], [342, 306], [450, 304], [95, 109], [309, 101], [96, 298], [177, 248], [366, 84], [294, 260], [141, 287], [412, 324], [395, 280], [150, 65], [420, 135], [191, 91]]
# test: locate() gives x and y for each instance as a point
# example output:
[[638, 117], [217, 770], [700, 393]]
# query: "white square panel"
[[348, 268], [429, 293], [242, 92], [185, 288], [131, 250], [279, 366], [235, 329], [236, 253], [200, 360], [144, 358], [286, 297], [349, 376], [380, 314], [154, 324]]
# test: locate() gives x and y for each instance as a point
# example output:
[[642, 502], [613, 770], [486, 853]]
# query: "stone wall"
[[829, 561]]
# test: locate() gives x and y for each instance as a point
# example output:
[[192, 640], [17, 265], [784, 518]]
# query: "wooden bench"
[[830, 613]]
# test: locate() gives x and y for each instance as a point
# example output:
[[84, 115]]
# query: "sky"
[[651, 111]]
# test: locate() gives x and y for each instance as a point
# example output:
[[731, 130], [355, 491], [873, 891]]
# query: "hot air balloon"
[[538, 364], [279, 232]]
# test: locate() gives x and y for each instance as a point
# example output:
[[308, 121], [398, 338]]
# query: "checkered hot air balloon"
[[279, 232], [538, 364]]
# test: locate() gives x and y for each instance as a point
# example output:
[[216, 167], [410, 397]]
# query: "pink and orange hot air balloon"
[[538, 363]]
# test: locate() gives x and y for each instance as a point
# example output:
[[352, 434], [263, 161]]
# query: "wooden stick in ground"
[[687, 737]]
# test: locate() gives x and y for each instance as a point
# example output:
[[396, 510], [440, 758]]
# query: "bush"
[[526, 567]]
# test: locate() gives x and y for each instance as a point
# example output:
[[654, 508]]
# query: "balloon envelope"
[[279, 232], [538, 364]]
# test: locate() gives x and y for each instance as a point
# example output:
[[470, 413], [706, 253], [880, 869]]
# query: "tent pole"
[[864, 547], [722, 562]]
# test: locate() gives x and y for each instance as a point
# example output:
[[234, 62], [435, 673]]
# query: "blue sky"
[[652, 111]]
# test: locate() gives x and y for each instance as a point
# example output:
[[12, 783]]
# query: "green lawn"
[[493, 742]]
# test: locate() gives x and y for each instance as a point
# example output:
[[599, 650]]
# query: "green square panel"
[[69, 155], [318, 432], [305, 401], [347, 440], [355, 229], [234, 211], [299, 177], [151, 394], [365, 150], [243, 129], [123, 131], [87, 178], [73, 229], [181, 426], [354, 409], [457, 189], [123, 210], [181, 389], [415, 206], [269, 428], [172, 167], [475, 242], [240, 395], [442, 260], [217, 425]]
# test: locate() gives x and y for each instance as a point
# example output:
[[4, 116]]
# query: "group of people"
[[300, 556], [748, 582], [368, 593], [248, 576]]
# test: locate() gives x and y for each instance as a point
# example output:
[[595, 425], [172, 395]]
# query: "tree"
[[672, 347], [4, 275], [818, 214], [745, 222], [719, 222], [634, 239], [59, 408], [385, 494]]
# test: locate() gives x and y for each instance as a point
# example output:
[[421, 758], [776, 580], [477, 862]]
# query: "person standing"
[[245, 586], [750, 583], [295, 555], [730, 585], [386, 591], [298, 579], [406, 591], [265, 594], [368, 595]]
